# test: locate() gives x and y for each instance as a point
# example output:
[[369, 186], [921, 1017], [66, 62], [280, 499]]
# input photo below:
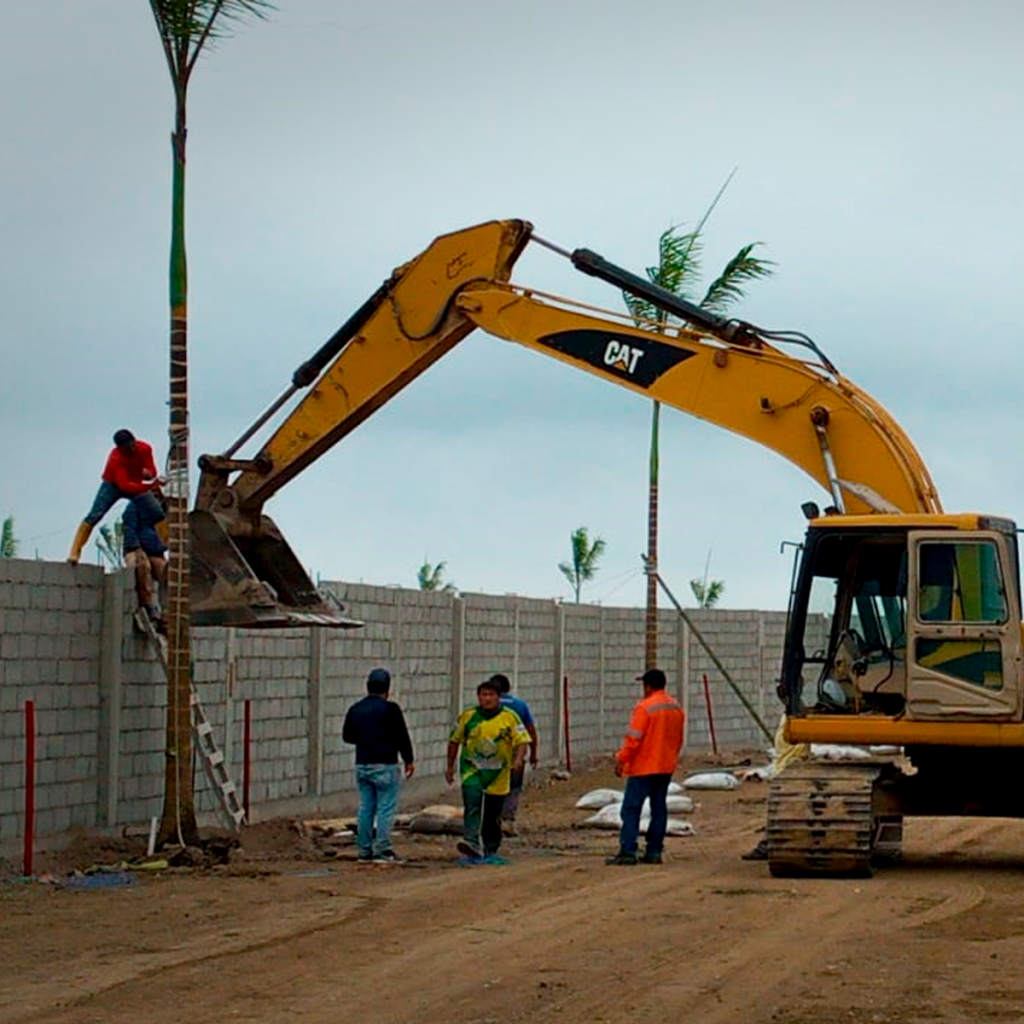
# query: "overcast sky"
[[879, 157]]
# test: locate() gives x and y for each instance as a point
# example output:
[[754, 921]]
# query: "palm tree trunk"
[[178, 823], [651, 620]]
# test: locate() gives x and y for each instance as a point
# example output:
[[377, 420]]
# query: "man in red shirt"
[[647, 759], [130, 473]]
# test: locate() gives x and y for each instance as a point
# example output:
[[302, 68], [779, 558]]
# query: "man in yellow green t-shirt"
[[493, 742]]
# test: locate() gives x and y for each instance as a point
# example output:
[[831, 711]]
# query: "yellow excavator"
[[904, 629]]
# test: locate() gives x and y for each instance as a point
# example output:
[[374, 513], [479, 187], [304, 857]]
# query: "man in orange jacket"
[[647, 759]]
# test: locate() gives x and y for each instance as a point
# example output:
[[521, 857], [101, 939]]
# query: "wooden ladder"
[[229, 806]]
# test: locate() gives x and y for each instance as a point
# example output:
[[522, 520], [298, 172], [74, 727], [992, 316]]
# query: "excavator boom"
[[726, 372]]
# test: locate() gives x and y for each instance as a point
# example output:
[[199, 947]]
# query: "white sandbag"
[[763, 774], [597, 798], [610, 816], [838, 752], [674, 787], [676, 827], [438, 819], [711, 780], [679, 803]]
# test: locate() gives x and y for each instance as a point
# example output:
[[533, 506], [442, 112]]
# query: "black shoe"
[[468, 851], [622, 859], [651, 858], [387, 857], [364, 858], [759, 852]]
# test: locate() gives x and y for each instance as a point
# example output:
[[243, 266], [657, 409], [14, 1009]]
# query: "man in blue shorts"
[[146, 553], [522, 709]]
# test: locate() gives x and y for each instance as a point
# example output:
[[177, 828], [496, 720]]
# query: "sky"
[[877, 157]]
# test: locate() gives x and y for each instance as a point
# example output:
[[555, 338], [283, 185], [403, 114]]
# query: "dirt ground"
[[286, 930]]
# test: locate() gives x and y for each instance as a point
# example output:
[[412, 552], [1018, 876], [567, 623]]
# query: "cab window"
[[960, 582]]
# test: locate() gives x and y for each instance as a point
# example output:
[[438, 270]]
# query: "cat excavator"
[[904, 632]]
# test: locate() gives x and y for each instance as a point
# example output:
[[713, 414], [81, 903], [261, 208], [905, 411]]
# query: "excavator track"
[[823, 818]]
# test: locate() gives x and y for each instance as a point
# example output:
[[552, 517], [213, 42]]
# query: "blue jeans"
[[109, 495], [378, 801], [638, 789]]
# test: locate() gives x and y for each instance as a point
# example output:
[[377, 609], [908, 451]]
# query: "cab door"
[[964, 636]]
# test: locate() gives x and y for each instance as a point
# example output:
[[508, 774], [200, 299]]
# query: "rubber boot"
[[82, 534]]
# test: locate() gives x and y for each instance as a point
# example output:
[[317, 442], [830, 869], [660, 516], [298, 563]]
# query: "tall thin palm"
[[678, 270], [586, 554], [186, 28]]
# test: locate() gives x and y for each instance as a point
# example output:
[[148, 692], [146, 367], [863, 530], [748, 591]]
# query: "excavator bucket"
[[253, 581]]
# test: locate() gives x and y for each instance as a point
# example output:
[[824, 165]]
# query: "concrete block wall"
[[584, 668], [410, 633], [67, 642], [50, 635]]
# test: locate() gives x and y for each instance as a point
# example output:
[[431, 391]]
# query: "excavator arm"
[[726, 372]]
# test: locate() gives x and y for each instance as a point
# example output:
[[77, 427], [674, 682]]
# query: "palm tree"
[[678, 270], [707, 592], [8, 542], [186, 27], [431, 577], [586, 553], [110, 544]]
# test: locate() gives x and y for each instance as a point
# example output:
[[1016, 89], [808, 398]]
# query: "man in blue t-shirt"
[[522, 709]]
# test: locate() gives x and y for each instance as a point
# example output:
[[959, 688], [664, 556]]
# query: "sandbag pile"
[[608, 806]]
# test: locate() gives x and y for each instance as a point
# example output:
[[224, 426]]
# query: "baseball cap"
[[379, 675], [654, 676]]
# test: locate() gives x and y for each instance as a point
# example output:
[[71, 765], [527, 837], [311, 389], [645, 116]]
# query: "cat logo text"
[[622, 356]]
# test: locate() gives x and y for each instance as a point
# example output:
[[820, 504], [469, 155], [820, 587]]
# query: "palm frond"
[[640, 309], [679, 256], [187, 27], [431, 577], [679, 259], [727, 288], [178, 19]]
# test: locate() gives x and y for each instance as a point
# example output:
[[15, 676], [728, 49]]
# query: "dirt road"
[[555, 936]]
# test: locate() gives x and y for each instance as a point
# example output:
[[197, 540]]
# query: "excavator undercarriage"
[[833, 818]]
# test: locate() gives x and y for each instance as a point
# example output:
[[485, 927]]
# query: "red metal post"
[[711, 717], [565, 720], [30, 783], [247, 758]]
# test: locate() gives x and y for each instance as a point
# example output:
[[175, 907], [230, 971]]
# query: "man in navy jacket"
[[377, 727]]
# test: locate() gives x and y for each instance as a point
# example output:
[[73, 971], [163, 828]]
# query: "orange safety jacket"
[[654, 737]]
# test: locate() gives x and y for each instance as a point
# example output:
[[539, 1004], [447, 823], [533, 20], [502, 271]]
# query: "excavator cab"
[[890, 618]]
